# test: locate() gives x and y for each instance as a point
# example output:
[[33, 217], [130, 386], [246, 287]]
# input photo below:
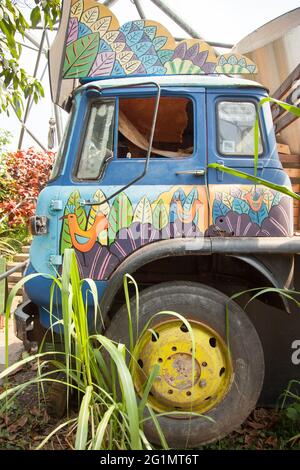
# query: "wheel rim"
[[169, 345]]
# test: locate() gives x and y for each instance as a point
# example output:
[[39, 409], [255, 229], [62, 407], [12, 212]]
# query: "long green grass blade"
[[83, 420], [102, 427], [255, 179], [154, 373], [60, 426], [160, 433], [128, 391]]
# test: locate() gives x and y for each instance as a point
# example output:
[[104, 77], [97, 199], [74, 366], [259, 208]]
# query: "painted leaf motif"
[[179, 194], [156, 70], [124, 57], [276, 199], [111, 36], [80, 56], [126, 27], [131, 66], [103, 64], [72, 30], [120, 215], [259, 216], [143, 211], [150, 31], [180, 51], [159, 42], [188, 204], [77, 9], [83, 30], [219, 209], [227, 199], [165, 55], [94, 210], [192, 53], [90, 16], [72, 206], [240, 206], [80, 216], [134, 37], [139, 23], [118, 70], [190, 199], [118, 46], [268, 199], [141, 48], [101, 26], [148, 60], [160, 215], [103, 46]]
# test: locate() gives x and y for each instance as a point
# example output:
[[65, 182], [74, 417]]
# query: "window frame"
[[157, 158], [66, 143], [239, 100], [83, 137]]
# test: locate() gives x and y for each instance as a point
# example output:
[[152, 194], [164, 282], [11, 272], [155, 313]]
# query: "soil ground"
[[26, 423]]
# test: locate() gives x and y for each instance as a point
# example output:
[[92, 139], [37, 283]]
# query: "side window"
[[97, 147], [236, 122], [174, 132]]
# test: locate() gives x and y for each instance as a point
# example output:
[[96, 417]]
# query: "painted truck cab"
[[200, 120], [133, 190]]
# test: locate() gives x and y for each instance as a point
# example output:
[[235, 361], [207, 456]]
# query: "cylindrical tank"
[[275, 48]]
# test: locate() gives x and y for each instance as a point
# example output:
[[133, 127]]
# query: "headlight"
[[39, 225]]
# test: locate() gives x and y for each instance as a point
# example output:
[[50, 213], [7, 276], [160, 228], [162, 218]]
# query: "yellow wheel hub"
[[180, 384]]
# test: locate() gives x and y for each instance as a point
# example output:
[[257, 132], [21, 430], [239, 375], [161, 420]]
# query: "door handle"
[[191, 172]]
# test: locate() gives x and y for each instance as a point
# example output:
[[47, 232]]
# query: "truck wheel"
[[56, 398], [222, 387]]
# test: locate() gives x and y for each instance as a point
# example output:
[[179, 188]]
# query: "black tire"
[[56, 398], [207, 305]]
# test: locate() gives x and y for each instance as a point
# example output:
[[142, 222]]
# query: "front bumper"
[[24, 319]]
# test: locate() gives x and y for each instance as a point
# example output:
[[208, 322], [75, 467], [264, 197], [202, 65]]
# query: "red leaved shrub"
[[22, 176]]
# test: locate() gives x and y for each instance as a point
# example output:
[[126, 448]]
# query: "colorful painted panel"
[[96, 46], [249, 211], [105, 235]]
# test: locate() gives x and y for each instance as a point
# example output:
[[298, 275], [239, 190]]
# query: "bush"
[[22, 176]]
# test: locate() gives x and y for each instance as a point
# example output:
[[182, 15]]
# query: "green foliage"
[[255, 179], [96, 368], [9, 245], [15, 83], [5, 139]]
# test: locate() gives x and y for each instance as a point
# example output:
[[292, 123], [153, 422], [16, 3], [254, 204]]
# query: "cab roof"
[[205, 81]]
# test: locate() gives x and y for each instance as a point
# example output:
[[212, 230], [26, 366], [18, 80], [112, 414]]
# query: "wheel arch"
[[276, 270]]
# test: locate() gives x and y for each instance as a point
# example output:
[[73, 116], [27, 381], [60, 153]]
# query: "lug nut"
[[202, 383]]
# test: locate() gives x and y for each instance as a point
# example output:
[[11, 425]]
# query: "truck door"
[[169, 202], [237, 206]]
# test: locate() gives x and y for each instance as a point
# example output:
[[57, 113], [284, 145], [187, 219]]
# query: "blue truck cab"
[[133, 191]]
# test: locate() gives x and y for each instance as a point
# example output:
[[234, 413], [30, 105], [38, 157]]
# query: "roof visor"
[[91, 44]]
